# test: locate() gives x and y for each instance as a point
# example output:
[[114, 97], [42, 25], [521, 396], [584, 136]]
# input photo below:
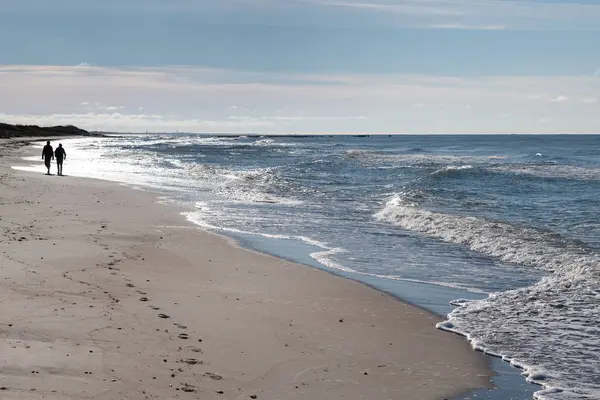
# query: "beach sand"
[[108, 294]]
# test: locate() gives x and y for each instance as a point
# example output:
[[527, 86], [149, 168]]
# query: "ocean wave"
[[362, 153], [550, 328], [264, 142], [416, 159], [550, 171], [324, 256], [451, 285], [262, 185], [510, 243], [451, 170]]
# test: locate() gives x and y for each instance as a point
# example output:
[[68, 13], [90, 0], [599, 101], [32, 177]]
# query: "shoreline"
[[507, 379], [335, 320]]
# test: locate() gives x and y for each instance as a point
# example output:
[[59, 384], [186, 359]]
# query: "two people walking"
[[49, 154]]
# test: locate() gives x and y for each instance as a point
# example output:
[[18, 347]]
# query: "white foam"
[[510, 243], [250, 185], [549, 329], [416, 159], [324, 257], [451, 169], [264, 142], [451, 285], [551, 171]]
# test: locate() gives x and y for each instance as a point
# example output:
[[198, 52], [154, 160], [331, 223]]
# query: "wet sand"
[[107, 294]]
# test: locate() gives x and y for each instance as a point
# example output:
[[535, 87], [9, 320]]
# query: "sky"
[[302, 66]]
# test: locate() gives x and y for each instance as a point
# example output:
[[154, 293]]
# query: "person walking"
[[48, 155], [60, 155]]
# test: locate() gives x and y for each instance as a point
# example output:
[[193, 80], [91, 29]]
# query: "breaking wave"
[[549, 329], [550, 171], [262, 185], [450, 170]]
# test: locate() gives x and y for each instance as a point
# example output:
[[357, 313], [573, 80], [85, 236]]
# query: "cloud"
[[513, 14], [468, 27], [538, 96], [298, 118], [590, 100], [110, 122], [497, 15], [200, 99], [410, 7], [559, 99]]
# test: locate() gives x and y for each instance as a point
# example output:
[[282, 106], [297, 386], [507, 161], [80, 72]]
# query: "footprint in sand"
[[188, 388], [141, 292], [143, 299], [213, 376], [183, 336], [196, 350], [130, 285], [164, 316], [155, 308], [191, 361], [180, 326]]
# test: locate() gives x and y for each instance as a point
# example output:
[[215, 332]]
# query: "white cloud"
[[137, 122], [590, 100], [298, 118], [410, 7], [537, 96], [84, 103], [468, 27], [475, 14], [559, 99], [469, 14], [200, 99]]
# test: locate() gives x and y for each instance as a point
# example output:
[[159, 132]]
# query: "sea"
[[499, 234]]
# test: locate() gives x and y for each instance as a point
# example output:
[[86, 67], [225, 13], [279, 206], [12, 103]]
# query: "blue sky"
[[449, 66]]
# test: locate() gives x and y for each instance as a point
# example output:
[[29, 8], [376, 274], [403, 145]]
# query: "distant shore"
[[34, 131]]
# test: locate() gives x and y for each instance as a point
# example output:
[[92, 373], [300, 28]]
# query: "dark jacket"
[[47, 153], [60, 153]]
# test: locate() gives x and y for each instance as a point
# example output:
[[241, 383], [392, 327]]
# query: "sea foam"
[[551, 326]]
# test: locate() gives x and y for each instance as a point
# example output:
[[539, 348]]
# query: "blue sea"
[[506, 227]]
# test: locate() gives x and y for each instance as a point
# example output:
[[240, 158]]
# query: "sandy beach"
[[108, 294]]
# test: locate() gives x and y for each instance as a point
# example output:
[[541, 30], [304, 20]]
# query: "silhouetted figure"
[[47, 155], [60, 155]]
